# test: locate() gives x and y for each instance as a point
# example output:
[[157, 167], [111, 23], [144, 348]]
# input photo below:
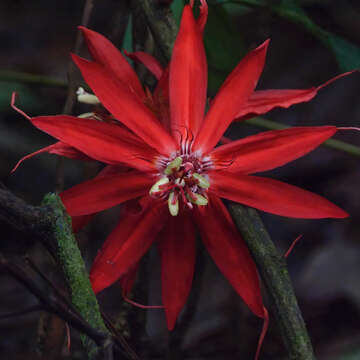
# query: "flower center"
[[183, 181]]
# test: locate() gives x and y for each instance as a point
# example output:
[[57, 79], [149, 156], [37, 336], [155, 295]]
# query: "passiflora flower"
[[161, 149]]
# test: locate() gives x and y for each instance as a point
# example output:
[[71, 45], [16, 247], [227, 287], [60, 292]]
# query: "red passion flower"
[[161, 149]]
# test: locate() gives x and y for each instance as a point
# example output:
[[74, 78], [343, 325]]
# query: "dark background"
[[37, 36]]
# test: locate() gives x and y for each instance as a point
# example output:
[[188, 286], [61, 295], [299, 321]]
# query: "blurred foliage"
[[28, 99], [225, 46], [176, 7], [347, 54], [128, 39]]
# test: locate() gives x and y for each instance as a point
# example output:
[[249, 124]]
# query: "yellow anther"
[[173, 204], [202, 182], [173, 166], [200, 200], [86, 98], [86, 115], [155, 188]]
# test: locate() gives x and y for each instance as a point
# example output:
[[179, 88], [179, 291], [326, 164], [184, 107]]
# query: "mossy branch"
[[51, 225], [71, 261], [161, 23], [273, 270]]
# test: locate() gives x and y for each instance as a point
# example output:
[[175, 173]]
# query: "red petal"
[[58, 148], [125, 107], [148, 61], [104, 192], [106, 54], [126, 245], [105, 142], [269, 149], [262, 101], [229, 252], [235, 91], [177, 251], [127, 280], [273, 196], [79, 222], [188, 79]]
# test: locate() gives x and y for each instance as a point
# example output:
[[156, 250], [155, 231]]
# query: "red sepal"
[[273, 196], [234, 92], [229, 252], [126, 244], [177, 250], [104, 192], [188, 79], [106, 54], [270, 149]]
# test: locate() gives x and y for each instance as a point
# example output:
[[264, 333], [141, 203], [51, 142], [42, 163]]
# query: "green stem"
[[74, 270], [331, 143], [272, 268]]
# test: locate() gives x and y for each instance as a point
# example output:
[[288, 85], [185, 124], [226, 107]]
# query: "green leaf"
[[346, 54], [177, 8], [127, 42]]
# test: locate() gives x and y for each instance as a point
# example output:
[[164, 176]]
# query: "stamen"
[[183, 177], [191, 196], [188, 166], [183, 196], [180, 182], [173, 166], [173, 203], [200, 200], [202, 182], [86, 98], [86, 115], [156, 187]]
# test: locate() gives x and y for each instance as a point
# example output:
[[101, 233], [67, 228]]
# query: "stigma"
[[182, 182]]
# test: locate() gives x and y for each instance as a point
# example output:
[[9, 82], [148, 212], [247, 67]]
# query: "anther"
[[87, 115], [173, 203], [156, 187], [173, 166], [201, 181], [86, 98], [200, 200]]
